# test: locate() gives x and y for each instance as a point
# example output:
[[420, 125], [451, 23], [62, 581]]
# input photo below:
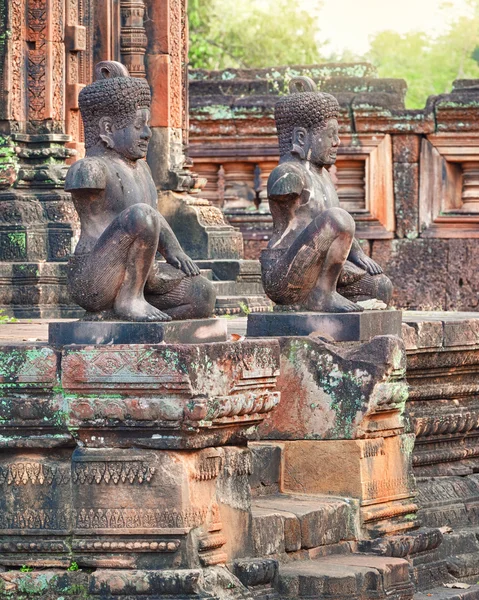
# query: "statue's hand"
[[183, 262], [368, 264]]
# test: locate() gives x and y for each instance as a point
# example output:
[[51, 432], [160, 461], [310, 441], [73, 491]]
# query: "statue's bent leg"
[[369, 286], [113, 274], [308, 271], [185, 297]]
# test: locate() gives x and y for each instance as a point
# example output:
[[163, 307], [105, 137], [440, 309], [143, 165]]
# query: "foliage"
[[251, 33], [430, 65], [26, 569], [73, 567], [5, 318], [265, 33]]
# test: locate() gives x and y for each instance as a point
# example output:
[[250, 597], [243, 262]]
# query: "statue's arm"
[[86, 174], [359, 258], [169, 247], [285, 184]]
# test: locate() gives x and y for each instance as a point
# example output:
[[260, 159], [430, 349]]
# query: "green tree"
[[429, 65], [252, 33]]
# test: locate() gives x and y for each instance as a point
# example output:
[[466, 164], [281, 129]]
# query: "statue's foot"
[[331, 302], [138, 309]]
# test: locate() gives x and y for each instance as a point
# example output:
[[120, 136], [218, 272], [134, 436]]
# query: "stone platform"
[[136, 462], [64, 333], [360, 326]]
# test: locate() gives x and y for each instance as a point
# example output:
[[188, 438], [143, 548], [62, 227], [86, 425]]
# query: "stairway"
[[313, 537]]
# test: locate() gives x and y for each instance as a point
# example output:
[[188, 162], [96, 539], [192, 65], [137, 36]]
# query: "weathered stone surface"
[[108, 332], [345, 577], [254, 572], [406, 148], [462, 281], [361, 326], [216, 583], [425, 261], [421, 334], [406, 199], [374, 471], [338, 391], [158, 393], [307, 521], [201, 228], [266, 468]]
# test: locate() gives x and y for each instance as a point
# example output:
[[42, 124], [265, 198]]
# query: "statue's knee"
[[385, 289], [203, 297], [341, 220], [141, 218]]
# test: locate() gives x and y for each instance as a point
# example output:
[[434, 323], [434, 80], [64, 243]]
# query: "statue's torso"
[[103, 187], [297, 195]]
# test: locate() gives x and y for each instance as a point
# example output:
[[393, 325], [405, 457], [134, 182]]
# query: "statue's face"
[[132, 141], [324, 143]]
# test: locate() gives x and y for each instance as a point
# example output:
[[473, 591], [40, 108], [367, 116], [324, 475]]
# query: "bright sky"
[[349, 23]]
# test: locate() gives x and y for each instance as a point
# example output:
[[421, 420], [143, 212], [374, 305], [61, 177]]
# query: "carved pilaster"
[[133, 40], [15, 62], [45, 65], [76, 75]]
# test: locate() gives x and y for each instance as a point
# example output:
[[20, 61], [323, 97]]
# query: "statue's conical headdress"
[[304, 107], [113, 94]]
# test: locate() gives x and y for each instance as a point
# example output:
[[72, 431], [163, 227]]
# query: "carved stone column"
[[37, 220], [200, 228], [133, 38]]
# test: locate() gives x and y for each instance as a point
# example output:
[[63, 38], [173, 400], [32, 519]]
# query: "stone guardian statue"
[[313, 261], [114, 273]]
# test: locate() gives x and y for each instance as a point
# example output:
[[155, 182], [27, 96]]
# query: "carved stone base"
[[334, 326], [216, 583], [200, 227], [123, 332]]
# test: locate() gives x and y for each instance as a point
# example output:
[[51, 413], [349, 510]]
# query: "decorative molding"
[[112, 472], [138, 518], [125, 546], [30, 518], [32, 473]]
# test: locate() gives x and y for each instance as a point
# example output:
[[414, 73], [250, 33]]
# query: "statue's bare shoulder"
[[87, 174], [286, 182]]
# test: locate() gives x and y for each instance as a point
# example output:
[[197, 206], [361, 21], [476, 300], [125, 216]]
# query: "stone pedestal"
[[341, 427], [124, 332], [114, 457], [345, 327]]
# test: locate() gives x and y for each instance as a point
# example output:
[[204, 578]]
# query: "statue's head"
[[307, 123], [115, 109]]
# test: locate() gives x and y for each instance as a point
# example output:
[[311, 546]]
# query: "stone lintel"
[[344, 327], [124, 332]]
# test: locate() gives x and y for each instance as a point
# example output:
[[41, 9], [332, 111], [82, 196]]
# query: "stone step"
[[234, 305], [207, 273], [225, 288], [288, 523], [346, 577], [443, 593]]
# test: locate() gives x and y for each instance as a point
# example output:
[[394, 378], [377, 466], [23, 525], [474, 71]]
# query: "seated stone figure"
[[313, 262], [113, 272]]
